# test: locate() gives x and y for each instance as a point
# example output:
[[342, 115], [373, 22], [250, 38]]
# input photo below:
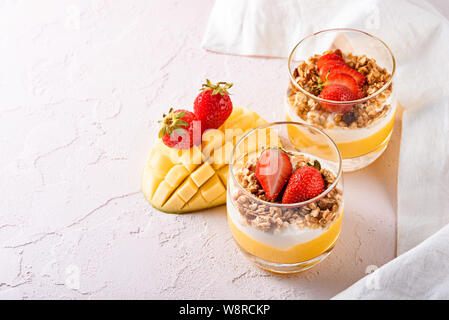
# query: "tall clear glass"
[[285, 238], [363, 134]]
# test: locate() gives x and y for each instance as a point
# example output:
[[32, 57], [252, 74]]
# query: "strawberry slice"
[[273, 169], [358, 77], [337, 92], [328, 57], [346, 80], [327, 67], [305, 183]]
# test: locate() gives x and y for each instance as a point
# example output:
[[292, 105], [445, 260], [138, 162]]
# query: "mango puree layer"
[[298, 253], [355, 148]]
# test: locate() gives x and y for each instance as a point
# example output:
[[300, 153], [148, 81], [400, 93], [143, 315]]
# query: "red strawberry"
[[213, 105], [180, 129], [337, 92], [327, 67], [272, 171], [304, 184], [358, 77], [328, 57], [345, 80]]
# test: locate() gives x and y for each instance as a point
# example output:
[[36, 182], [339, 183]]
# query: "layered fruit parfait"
[[350, 97], [285, 206]]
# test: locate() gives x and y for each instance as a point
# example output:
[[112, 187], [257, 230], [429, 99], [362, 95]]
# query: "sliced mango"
[[211, 140], [176, 175], [202, 174], [196, 203], [178, 181], [223, 175], [221, 156], [187, 190], [162, 193], [150, 187], [212, 189], [175, 203], [161, 162]]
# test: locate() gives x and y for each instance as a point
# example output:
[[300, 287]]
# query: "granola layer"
[[307, 76]]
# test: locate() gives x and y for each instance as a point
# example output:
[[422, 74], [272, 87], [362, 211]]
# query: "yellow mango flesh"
[[179, 181]]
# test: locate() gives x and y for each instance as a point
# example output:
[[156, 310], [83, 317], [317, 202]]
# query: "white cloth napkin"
[[420, 273], [418, 36]]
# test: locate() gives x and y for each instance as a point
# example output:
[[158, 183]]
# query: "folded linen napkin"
[[420, 273], [417, 35]]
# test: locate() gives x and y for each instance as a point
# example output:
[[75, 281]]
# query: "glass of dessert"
[[285, 196], [341, 80]]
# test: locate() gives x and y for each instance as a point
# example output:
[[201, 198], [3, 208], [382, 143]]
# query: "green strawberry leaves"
[[173, 123], [316, 164], [219, 88]]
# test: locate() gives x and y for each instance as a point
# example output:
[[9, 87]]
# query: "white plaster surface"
[[82, 85]]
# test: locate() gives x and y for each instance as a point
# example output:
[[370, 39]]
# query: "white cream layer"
[[284, 240], [340, 134]]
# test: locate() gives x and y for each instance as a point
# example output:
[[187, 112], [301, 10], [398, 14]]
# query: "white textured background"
[[82, 84]]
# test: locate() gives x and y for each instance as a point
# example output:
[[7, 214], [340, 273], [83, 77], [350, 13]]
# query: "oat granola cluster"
[[266, 218], [362, 115]]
